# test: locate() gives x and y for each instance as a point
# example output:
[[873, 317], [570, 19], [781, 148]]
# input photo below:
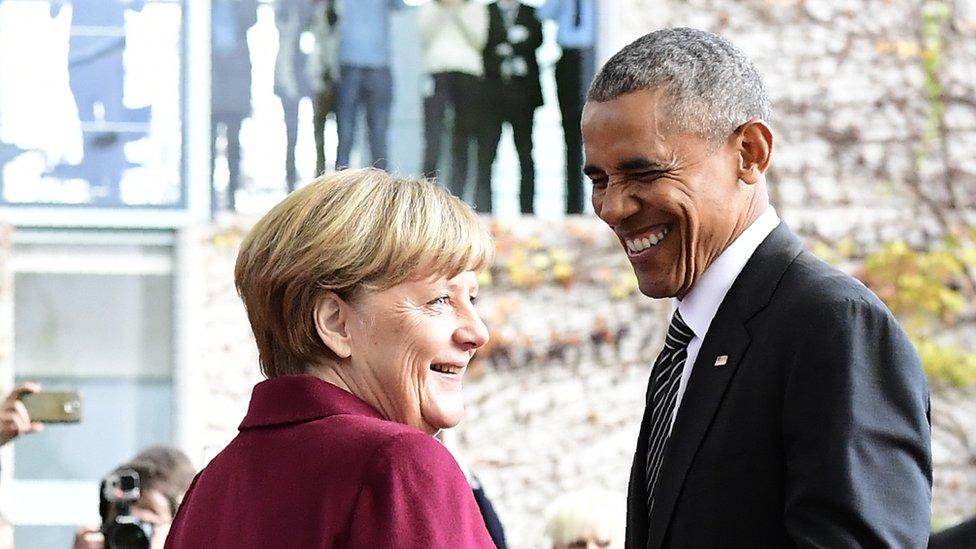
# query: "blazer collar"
[[294, 399], [750, 293]]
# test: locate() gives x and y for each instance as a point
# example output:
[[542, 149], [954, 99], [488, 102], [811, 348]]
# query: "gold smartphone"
[[53, 406]]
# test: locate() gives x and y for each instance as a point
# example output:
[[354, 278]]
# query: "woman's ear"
[[755, 150], [331, 323]]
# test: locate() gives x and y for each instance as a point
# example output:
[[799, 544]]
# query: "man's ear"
[[331, 320], [755, 147]]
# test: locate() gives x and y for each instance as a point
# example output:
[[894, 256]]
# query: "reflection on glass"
[[231, 84], [91, 115]]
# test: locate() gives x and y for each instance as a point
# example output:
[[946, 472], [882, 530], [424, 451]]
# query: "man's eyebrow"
[[641, 164], [590, 169]]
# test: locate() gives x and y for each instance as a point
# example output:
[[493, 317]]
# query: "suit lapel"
[[727, 335]]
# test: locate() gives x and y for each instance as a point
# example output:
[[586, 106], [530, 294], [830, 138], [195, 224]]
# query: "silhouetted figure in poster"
[[323, 71], [366, 82], [577, 21], [96, 76], [512, 93], [291, 84], [453, 35], [230, 84]]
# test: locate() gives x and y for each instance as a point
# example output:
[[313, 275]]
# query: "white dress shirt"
[[699, 306]]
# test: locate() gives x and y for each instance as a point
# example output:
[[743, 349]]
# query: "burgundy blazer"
[[314, 466]]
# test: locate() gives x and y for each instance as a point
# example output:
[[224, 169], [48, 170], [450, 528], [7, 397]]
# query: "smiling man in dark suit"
[[787, 408]]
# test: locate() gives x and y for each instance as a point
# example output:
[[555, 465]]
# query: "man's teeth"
[[445, 368], [640, 244]]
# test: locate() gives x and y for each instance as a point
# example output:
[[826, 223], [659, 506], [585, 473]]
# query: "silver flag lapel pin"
[[722, 360]]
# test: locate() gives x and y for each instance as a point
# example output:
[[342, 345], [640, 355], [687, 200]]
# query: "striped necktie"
[[665, 377]]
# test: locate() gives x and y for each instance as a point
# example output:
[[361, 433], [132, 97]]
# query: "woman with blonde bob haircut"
[[360, 291]]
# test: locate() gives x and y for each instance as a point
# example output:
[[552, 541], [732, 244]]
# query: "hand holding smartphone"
[[14, 418]]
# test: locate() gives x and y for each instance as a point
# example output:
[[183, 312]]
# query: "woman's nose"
[[472, 333]]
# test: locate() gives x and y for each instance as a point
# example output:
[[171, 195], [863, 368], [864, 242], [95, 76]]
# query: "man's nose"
[[616, 205]]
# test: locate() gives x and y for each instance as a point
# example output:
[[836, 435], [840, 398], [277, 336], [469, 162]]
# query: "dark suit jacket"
[[314, 466], [814, 434], [519, 90]]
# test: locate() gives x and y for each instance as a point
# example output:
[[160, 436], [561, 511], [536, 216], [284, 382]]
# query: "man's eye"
[[649, 175], [599, 182]]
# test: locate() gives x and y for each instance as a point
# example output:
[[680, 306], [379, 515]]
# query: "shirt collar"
[[699, 306], [293, 399]]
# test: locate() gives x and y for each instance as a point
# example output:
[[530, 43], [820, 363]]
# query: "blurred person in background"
[[512, 94], [787, 408], [367, 81], [230, 73], [453, 34], [165, 474], [364, 334], [576, 37], [586, 519], [323, 72], [291, 83]]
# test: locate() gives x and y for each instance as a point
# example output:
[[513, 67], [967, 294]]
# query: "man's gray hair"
[[712, 87]]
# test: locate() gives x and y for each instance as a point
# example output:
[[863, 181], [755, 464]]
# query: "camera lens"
[[128, 536]]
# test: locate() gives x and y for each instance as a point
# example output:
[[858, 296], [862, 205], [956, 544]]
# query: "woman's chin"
[[447, 413]]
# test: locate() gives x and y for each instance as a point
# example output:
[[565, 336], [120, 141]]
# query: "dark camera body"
[[124, 530]]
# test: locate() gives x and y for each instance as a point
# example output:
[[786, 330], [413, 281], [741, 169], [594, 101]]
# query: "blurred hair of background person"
[[230, 73], [165, 474], [453, 34], [291, 83], [364, 335], [586, 519], [576, 37], [511, 94], [323, 72], [367, 81]]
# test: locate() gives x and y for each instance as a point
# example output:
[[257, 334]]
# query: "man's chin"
[[656, 289]]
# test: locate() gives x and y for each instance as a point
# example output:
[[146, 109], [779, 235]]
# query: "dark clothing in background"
[[461, 92], [572, 76], [492, 522], [512, 93], [372, 88], [961, 536]]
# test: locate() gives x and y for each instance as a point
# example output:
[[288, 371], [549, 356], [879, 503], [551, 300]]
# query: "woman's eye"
[[474, 299], [439, 300]]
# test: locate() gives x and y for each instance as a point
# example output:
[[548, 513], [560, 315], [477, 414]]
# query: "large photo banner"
[[90, 103]]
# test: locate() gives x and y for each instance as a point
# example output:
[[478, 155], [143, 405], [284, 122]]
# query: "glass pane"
[[111, 338], [90, 102], [89, 325], [43, 537], [119, 417]]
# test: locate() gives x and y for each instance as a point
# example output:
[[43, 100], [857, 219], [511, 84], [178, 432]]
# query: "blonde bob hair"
[[349, 232]]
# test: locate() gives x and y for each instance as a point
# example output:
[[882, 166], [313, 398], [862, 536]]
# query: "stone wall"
[[874, 104], [555, 401]]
